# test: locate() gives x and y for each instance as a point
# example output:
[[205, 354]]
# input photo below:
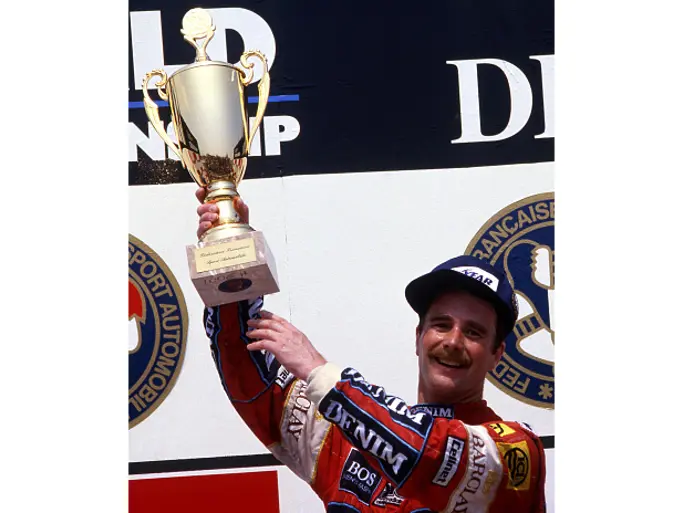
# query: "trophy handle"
[[263, 88], [152, 109]]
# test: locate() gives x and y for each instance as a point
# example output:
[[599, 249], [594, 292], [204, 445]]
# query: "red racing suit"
[[363, 450]]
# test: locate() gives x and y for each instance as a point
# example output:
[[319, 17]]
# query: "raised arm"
[[270, 400]]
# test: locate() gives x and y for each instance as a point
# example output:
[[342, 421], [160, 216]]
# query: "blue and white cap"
[[470, 274]]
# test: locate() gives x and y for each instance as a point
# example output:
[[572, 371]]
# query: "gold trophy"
[[231, 261]]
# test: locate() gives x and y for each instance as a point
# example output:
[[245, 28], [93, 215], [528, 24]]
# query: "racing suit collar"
[[476, 412]]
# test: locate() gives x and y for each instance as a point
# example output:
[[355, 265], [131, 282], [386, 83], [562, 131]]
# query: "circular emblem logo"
[[518, 466], [157, 322], [520, 240]]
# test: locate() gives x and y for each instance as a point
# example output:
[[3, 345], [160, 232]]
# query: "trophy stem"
[[223, 194]]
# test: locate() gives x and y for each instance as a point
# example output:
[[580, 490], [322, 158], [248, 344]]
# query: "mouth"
[[451, 364]]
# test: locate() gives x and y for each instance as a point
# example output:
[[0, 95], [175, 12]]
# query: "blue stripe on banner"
[[141, 105], [276, 99], [250, 99]]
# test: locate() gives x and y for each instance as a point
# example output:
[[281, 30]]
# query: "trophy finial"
[[197, 24]]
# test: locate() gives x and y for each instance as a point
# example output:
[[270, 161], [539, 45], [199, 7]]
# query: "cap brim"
[[422, 291]]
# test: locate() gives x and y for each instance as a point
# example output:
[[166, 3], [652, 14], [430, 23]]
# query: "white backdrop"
[[346, 245]]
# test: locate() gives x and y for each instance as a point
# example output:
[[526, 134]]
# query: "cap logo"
[[475, 273]]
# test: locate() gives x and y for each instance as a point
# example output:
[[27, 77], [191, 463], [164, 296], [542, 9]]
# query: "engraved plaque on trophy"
[[207, 100]]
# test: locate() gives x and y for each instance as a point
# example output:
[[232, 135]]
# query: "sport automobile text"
[[171, 331]]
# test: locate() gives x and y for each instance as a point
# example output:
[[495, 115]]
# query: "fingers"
[[240, 205], [208, 214], [242, 209], [203, 227], [263, 334], [206, 208], [201, 194], [265, 314], [266, 324], [260, 345], [208, 217]]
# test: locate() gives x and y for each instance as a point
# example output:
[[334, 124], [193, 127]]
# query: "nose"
[[455, 339]]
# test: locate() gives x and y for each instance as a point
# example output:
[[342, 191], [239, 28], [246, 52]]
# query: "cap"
[[470, 274]]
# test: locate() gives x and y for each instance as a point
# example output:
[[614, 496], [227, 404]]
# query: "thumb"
[[242, 209], [200, 194]]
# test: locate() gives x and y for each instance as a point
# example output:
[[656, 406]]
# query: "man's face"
[[455, 348]]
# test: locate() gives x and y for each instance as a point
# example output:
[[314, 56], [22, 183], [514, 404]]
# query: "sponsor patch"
[[517, 460], [396, 457], [284, 378], [417, 421], [359, 478], [157, 336], [502, 429], [519, 240], [296, 411], [483, 473], [475, 273], [435, 410], [451, 460], [388, 495], [302, 433]]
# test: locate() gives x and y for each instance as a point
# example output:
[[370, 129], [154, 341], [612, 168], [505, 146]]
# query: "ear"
[[498, 355], [417, 340]]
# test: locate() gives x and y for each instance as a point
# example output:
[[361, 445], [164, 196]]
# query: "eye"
[[472, 333], [441, 326]]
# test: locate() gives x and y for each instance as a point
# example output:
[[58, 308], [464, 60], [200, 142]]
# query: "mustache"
[[460, 358]]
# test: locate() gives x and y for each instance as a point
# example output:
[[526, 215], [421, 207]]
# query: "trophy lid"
[[198, 29], [197, 25]]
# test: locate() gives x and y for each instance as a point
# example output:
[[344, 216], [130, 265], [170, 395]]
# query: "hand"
[[208, 212], [289, 345]]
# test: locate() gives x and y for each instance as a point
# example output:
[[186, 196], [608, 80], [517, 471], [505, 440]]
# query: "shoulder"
[[509, 428], [514, 436]]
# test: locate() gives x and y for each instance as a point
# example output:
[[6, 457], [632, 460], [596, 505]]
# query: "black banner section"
[[230, 462], [224, 462], [367, 85]]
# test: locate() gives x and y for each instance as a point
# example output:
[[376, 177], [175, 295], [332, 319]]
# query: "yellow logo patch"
[[502, 429], [518, 462]]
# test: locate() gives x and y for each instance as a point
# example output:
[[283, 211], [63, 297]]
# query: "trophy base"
[[232, 269]]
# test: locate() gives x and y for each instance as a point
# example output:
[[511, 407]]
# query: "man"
[[364, 450]]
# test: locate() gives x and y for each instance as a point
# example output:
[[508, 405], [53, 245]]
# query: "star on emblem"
[[545, 391]]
